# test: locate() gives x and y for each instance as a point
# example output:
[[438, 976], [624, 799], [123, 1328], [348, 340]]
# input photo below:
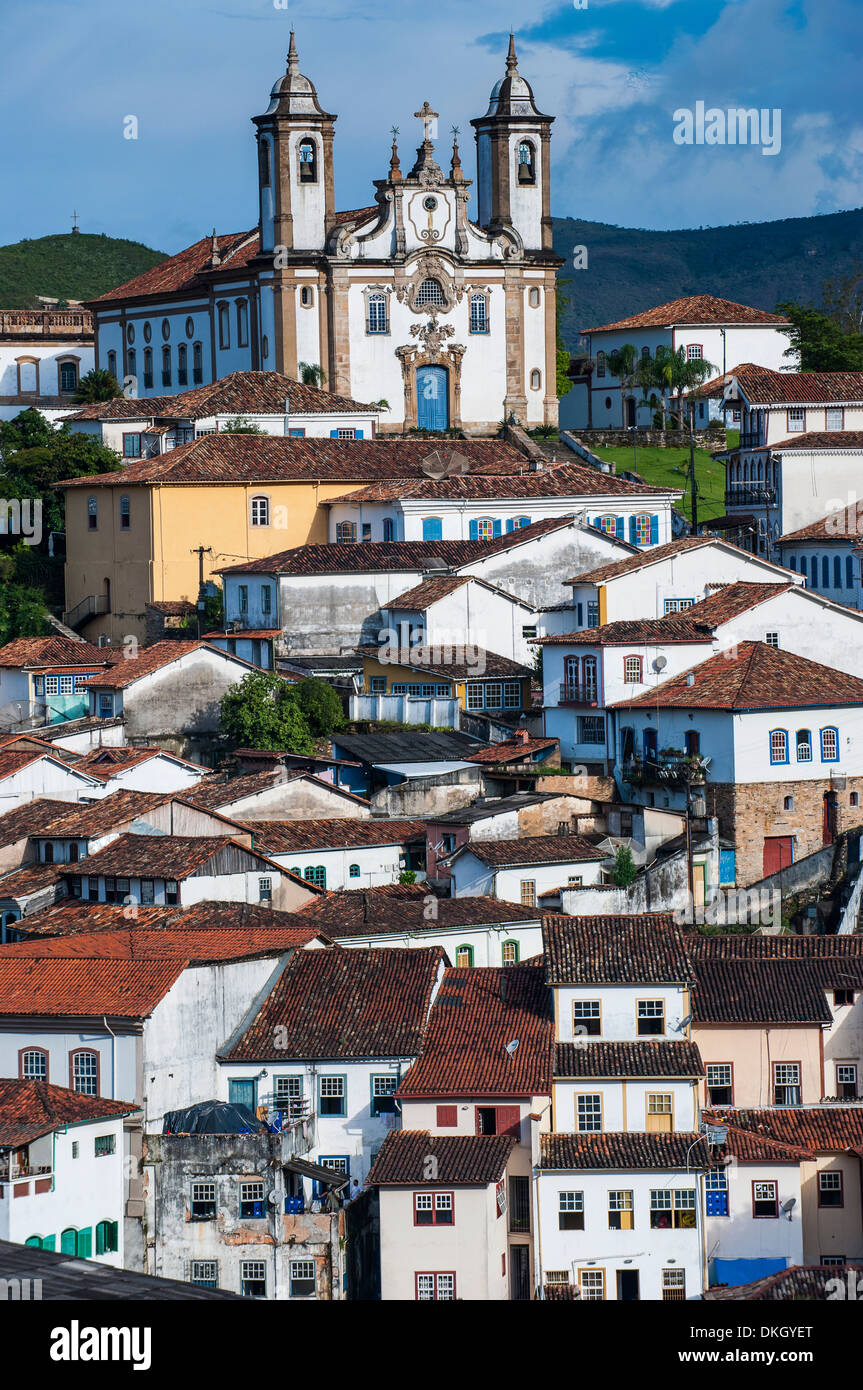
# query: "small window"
[[830, 1189], [308, 161], [260, 511], [842, 998], [829, 745], [92, 514], [526, 162], [104, 1145], [601, 366], [34, 1064], [252, 1201], [202, 1206], [148, 368], [804, 746], [479, 314], [673, 1285], [68, 377], [694, 352], [198, 363], [307, 297], [778, 746], [243, 598], [434, 1209], [430, 292], [632, 670], [796, 419], [253, 1278], [765, 1200], [148, 890], [331, 1093], [377, 314], [166, 366], [437, 1288], [205, 1273], [182, 365], [463, 956], [786, 1083], [383, 1092], [716, 1192], [125, 514], [107, 1237], [242, 323], [588, 1114], [528, 892], [302, 1278], [354, 871], [772, 639], [591, 1285], [536, 380], [620, 1210], [509, 953], [265, 890], [586, 1019], [534, 298], [846, 1080], [224, 325], [266, 599], [651, 1017], [317, 874], [85, 1072], [570, 1211], [112, 364], [346, 531], [672, 1209], [447, 1117]]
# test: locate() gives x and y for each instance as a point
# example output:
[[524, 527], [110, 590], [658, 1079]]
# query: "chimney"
[[521, 735]]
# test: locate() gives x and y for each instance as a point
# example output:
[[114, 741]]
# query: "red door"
[[828, 819], [778, 853]]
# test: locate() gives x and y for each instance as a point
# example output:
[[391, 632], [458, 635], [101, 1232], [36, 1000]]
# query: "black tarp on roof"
[[212, 1117]]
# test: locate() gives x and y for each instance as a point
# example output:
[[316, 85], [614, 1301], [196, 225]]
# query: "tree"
[[624, 870], [819, 341], [563, 384], [321, 706], [25, 431], [22, 607], [240, 426], [32, 471], [262, 712], [98, 385], [843, 298], [312, 374]]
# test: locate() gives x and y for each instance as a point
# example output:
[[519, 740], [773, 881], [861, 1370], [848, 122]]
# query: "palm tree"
[[98, 385], [681, 374], [312, 374]]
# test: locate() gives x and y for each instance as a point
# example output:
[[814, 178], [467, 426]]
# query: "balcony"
[[666, 769], [89, 607], [747, 495], [570, 694]]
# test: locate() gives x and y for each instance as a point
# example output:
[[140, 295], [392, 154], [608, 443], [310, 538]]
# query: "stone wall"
[[657, 439], [750, 812]]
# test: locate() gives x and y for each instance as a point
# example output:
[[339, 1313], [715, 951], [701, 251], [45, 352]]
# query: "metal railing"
[[575, 694], [89, 607]]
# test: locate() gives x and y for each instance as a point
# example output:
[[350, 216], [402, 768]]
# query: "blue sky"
[[613, 72]]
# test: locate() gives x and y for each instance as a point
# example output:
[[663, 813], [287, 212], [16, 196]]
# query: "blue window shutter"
[[358, 434], [654, 530], [633, 534], [496, 528], [619, 527], [473, 531], [510, 524], [793, 562], [334, 434], [849, 572], [579, 614], [524, 520], [596, 522]]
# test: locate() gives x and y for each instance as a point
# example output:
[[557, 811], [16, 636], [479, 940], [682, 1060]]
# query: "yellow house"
[[481, 681], [149, 532]]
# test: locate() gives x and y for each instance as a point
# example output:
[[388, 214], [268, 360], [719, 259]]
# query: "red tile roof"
[[404, 908], [461, 1160], [217, 791], [184, 271], [690, 311], [758, 991], [645, 948], [105, 763], [239, 393], [513, 750], [823, 441], [29, 1109], [623, 1151], [832, 1128], [485, 664], [761, 386], [119, 808], [29, 879], [477, 1011], [50, 651], [753, 676], [750, 1147], [148, 660], [695, 624], [74, 916], [648, 1058], [162, 856], [844, 526], [631, 564], [30, 818], [798, 1283], [533, 849], [331, 1004], [244, 458], [384, 556], [68, 987], [564, 480], [195, 945], [285, 836], [429, 591]]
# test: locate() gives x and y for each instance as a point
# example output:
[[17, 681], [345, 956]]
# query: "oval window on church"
[[148, 332], [166, 329], [533, 298], [130, 333], [190, 327], [430, 203], [430, 292]]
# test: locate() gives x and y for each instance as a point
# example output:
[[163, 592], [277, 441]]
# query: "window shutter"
[[49, 1242], [620, 527], [508, 1121], [358, 434], [654, 530], [596, 522], [473, 531], [113, 1235], [100, 1238], [85, 1243], [447, 1117], [510, 524], [496, 529], [67, 1242], [633, 534], [525, 520], [334, 434]]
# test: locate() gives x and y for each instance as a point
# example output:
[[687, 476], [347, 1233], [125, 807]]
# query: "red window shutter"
[[509, 1121], [447, 1116]]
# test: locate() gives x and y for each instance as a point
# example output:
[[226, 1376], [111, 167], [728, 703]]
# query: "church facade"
[[450, 321]]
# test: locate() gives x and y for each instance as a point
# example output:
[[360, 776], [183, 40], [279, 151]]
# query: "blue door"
[[242, 1092], [432, 398]]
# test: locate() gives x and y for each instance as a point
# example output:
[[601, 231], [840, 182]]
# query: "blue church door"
[[432, 398]]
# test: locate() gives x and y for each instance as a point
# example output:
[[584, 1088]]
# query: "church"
[[450, 321]]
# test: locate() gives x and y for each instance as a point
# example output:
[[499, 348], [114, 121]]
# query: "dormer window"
[[431, 292], [526, 162], [308, 162]]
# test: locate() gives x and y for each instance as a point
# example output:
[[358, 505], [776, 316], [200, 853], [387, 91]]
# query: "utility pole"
[[693, 490], [201, 551]]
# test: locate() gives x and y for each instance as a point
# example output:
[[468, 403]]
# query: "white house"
[[443, 1227], [530, 870], [715, 330], [139, 769], [336, 854], [62, 1168], [44, 353], [460, 610], [824, 555], [800, 451], [26, 774], [332, 1037], [279, 794]]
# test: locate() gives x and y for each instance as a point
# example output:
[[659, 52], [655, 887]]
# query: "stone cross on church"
[[428, 118]]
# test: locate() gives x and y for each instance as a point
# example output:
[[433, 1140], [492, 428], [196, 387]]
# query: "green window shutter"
[[85, 1243], [49, 1242], [67, 1241], [100, 1237], [112, 1238], [35, 1241]]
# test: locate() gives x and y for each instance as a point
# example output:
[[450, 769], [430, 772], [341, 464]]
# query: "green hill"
[[73, 265], [755, 263]]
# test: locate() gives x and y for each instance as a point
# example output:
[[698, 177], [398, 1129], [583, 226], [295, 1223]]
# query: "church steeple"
[[512, 140]]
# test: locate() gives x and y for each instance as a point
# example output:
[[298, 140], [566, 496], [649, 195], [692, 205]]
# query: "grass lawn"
[[670, 468]]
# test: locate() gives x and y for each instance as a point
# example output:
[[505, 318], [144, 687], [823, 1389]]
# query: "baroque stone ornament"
[[430, 267], [432, 335]]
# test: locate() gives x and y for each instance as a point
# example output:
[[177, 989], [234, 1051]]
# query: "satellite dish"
[[511, 1047], [660, 663], [790, 1204]]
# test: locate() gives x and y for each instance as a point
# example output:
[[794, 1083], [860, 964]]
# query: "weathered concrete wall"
[[429, 796], [181, 699], [298, 799]]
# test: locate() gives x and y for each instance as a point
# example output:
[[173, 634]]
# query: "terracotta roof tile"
[[158, 856], [825, 441], [462, 1160], [753, 676], [654, 555], [50, 651], [29, 879], [195, 945], [565, 480], [285, 836], [403, 908], [183, 271], [112, 988], [119, 808], [477, 1011], [29, 1109], [845, 527], [239, 393], [646, 947], [105, 763], [692, 310], [74, 916], [798, 1283], [647, 1058], [148, 660], [385, 556], [762, 386], [342, 1004], [623, 1151], [485, 664], [758, 991], [513, 750], [833, 1128], [30, 818], [534, 849], [750, 1147]]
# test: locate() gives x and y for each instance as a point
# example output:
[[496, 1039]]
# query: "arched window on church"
[[182, 365], [536, 380], [264, 162], [112, 363], [197, 363], [600, 364], [645, 353], [224, 326], [148, 368], [526, 162], [534, 298], [166, 366], [308, 162], [431, 292]]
